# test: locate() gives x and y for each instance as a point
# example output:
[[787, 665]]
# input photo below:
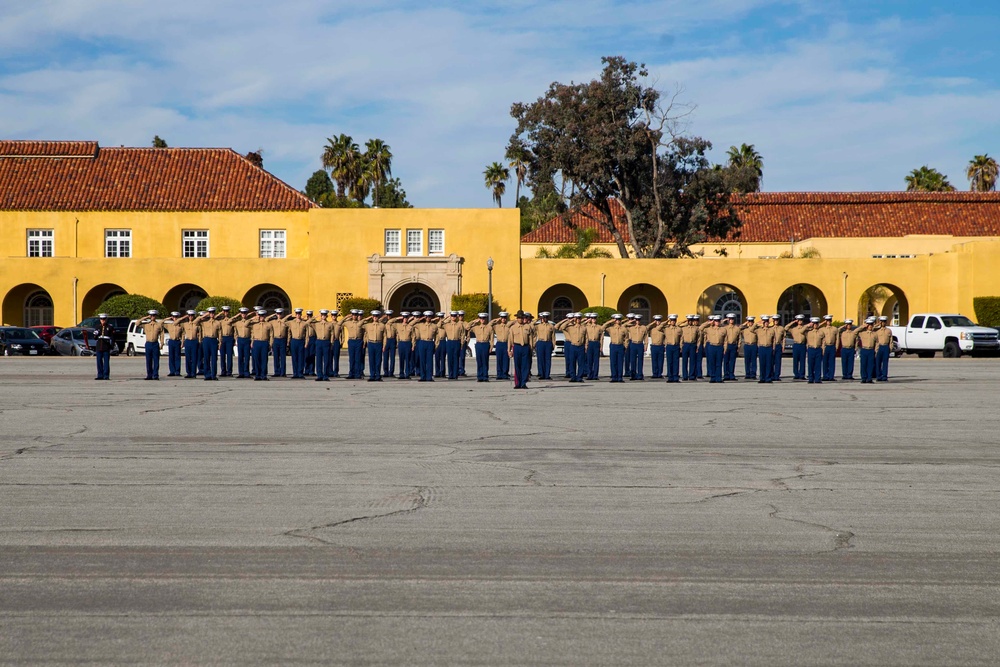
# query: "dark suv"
[[119, 323]]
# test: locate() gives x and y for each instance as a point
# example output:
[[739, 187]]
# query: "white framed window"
[[392, 240], [414, 241], [195, 243], [272, 243], [41, 243], [435, 242], [117, 242]]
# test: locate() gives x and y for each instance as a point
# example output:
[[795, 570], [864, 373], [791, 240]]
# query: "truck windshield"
[[957, 321]]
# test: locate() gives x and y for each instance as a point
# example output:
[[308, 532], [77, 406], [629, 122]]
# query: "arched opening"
[[722, 299], [267, 296], [413, 296], [184, 297], [801, 299], [28, 305], [97, 295], [643, 300], [885, 300], [561, 300]]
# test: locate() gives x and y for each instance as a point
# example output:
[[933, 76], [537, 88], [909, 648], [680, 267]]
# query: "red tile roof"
[[770, 217], [81, 176]]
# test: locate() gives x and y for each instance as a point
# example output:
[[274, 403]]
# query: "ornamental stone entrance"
[[415, 281]]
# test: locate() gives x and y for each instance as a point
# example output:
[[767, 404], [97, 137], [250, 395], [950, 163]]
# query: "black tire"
[[130, 350], [951, 350]]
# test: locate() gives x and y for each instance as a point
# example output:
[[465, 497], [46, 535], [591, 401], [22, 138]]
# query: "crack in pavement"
[[841, 538], [420, 498]]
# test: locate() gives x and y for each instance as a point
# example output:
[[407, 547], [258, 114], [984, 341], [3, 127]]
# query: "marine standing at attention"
[[483, 332]]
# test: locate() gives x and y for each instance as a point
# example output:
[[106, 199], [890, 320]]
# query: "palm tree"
[[379, 160], [518, 161], [982, 173], [497, 176], [926, 179], [342, 157], [579, 250], [746, 157]]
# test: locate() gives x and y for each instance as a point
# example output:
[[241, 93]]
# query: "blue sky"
[[835, 96]]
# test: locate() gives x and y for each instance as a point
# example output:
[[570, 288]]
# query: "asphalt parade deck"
[[233, 522]]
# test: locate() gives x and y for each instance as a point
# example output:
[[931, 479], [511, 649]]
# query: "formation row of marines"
[[433, 345]]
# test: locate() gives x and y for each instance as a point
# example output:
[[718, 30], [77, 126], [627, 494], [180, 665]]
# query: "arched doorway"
[[561, 300], [28, 305], [885, 300], [97, 295], [722, 299], [801, 299], [413, 297], [184, 297], [267, 296], [644, 300]]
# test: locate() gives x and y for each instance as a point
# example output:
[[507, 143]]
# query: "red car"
[[46, 332]]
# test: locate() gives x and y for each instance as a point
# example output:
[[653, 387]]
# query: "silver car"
[[77, 342]]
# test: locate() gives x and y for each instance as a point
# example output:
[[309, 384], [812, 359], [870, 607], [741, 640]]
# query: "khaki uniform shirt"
[[353, 329], [848, 338], [324, 329], [829, 335], [616, 330], [521, 334], [595, 332], [545, 332], [211, 328], [173, 329], [374, 332], [779, 335], [298, 329], [717, 336], [749, 333], [814, 338], [404, 331], [637, 335], [191, 331], [765, 336], [261, 330], [153, 330], [501, 330], [483, 331], [454, 330], [226, 324], [732, 334], [655, 333], [241, 327], [883, 337], [279, 328], [798, 333], [866, 339], [671, 334], [576, 334], [425, 331], [690, 333]]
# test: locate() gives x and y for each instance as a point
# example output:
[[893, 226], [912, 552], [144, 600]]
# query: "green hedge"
[[987, 310], [219, 302], [366, 305], [132, 306], [473, 304], [603, 313]]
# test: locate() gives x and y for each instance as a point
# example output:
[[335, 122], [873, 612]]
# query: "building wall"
[[326, 255]]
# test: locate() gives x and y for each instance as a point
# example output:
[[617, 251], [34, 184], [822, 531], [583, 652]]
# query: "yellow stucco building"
[[79, 223]]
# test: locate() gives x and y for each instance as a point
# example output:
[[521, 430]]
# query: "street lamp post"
[[489, 305]]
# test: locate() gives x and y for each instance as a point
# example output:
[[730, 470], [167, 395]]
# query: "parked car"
[[951, 334], [21, 341], [46, 332], [119, 323], [77, 342]]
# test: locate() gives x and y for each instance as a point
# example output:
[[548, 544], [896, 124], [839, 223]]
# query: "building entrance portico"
[[415, 283]]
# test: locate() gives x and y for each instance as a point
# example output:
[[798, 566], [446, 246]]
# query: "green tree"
[[612, 138], [748, 166], [982, 173], [926, 179], [392, 195], [579, 250], [496, 177], [517, 156], [133, 306], [219, 302], [158, 143], [378, 159], [345, 162], [318, 186]]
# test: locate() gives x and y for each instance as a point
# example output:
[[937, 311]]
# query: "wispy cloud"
[[832, 101]]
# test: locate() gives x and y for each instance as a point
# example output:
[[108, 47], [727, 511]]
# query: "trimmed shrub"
[[987, 310], [473, 304], [366, 305], [603, 313], [132, 306], [218, 302]]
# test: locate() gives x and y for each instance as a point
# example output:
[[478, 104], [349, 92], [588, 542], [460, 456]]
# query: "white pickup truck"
[[953, 335]]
